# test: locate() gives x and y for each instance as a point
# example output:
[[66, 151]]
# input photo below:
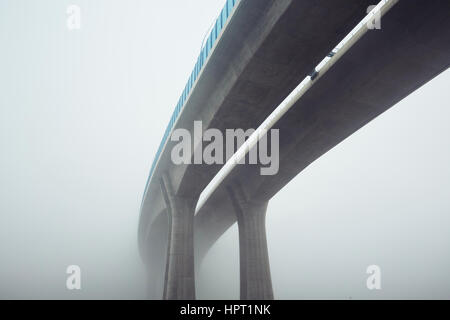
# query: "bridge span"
[[257, 54]]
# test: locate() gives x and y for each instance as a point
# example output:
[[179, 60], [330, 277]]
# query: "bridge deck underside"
[[381, 69]]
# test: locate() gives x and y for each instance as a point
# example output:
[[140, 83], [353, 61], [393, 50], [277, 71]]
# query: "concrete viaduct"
[[256, 55]]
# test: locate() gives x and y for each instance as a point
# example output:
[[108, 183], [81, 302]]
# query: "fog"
[[82, 113]]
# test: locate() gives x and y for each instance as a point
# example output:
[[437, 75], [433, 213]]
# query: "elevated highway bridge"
[[258, 52]]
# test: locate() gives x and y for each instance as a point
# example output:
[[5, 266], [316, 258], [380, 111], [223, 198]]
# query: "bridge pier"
[[179, 283], [152, 284], [155, 255], [255, 279]]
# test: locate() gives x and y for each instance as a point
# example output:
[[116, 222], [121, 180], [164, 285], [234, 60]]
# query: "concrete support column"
[[179, 282], [255, 279], [152, 283], [156, 243]]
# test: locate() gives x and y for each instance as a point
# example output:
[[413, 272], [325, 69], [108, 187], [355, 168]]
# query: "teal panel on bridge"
[[204, 53]]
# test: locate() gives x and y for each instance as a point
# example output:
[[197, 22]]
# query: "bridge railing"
[[204, 53]]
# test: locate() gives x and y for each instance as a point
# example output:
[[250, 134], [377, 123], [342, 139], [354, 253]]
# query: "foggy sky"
[[82, 113]]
